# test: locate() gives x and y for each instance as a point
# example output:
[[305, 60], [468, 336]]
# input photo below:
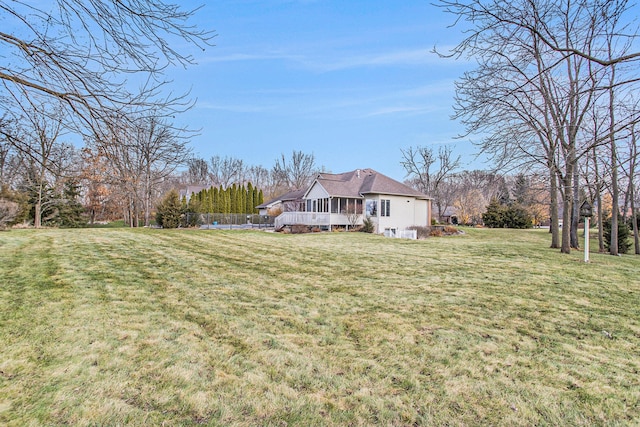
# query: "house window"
[[318, 205], [385, 207], [351, 206], [390, 232], [335, 205], [372, 207], [359, 206], [344, 206], [325, 205]]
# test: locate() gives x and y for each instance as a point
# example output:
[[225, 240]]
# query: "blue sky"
[[352, 82]]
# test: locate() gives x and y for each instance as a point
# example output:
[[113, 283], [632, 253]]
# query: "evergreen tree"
[[499, 215], [227, 201], [249, 199], [70, 210], [503, 194], [624, 234], [209, 208], [170, 210], [240, 200], [232, 199], [194, 204], [216, 202], [516, 216], [256, 199], [494, 216], [521, 190]]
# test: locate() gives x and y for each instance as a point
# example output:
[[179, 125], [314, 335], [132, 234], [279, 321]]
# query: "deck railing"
[[304, 218]]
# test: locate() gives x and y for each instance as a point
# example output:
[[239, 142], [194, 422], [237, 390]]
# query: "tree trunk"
[[575, 211], [615, 196], [566, 214], [613, 244], [147, 202], [554, 227], [634, 218], [598, 197], [600, 219], [37, 220], [567, 198]]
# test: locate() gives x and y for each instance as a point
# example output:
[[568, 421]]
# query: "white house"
[[345, 199]]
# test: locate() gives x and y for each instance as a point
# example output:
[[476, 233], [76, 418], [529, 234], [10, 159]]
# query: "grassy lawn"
[[158, 327]]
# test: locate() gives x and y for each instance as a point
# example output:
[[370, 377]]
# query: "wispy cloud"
[[238, 57], [234, 108], [323, 62], [383, 59], [384, 111]]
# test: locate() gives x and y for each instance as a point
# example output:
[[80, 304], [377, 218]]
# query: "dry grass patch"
[[136, 327]]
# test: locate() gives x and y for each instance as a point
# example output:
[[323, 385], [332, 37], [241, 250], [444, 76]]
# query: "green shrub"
[[169, 212], [367, 226], [192, 219], [494, 216], [500, 215]]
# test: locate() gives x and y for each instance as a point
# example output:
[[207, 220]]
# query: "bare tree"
[[258, 176], [144, 156], [630, 171], [82, 52], [37, 143], [225, 171], [294, 173], [9, 161], [197, 171], [162, 151], [418, 163], [474, 191], [542, 66]]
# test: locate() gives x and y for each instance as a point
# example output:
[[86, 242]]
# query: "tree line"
[[524, 197], [555, 89], [233, 199], [42, 179], [91, 74], [554, 94], [287, 173], [88, 114]]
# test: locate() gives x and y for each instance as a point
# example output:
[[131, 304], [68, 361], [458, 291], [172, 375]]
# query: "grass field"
[[159, 327]]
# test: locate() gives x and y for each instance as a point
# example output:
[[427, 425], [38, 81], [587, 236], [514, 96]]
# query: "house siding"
[[404, 212], [317, 192]]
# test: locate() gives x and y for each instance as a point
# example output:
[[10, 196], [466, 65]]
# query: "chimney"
[[358, 173]]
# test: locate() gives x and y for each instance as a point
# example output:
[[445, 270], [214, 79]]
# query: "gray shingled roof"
[[360, 182], [287, 197], [357, 183]]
